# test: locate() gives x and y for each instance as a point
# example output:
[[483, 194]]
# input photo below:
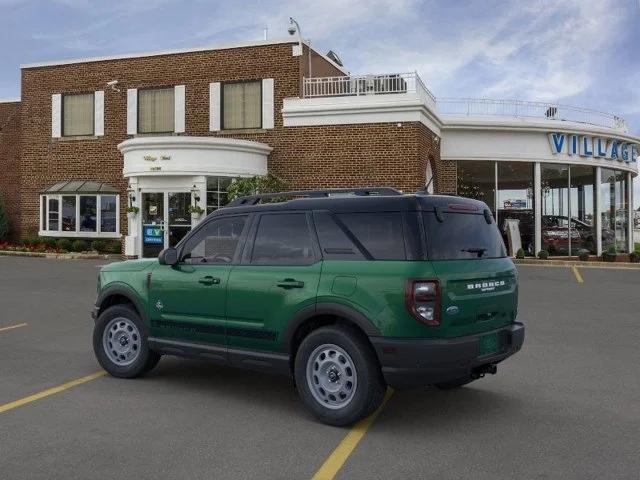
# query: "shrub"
[[4, 221], [29, 241], [634, 257], [64, 244], [269, 183], [79, 246], [99, 246], [520, 253], [543, 254], [48, 241], [115, 247], [583, 255], [610, 255]]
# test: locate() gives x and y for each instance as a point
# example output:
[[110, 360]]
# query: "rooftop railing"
[[357, 85], [411, 83], [525, 109]]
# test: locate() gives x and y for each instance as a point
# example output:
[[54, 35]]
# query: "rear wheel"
[[120, 343], [338, 376]]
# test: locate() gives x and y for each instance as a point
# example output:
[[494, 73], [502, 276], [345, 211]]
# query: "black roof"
[[337, 201]]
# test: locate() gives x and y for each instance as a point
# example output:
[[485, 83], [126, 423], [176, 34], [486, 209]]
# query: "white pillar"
[[598, 212], [630, 212], [537, 195]]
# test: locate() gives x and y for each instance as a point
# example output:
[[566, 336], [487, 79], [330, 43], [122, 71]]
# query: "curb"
[[62, 256], [575, 263]]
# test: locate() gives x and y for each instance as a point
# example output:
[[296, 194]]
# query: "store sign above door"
[[596, 147]]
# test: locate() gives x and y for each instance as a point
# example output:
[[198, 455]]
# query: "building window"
[[217, 192], [78, 114], [614, 194], [68, 213], [242, 105], [156, 110], [79, 215]]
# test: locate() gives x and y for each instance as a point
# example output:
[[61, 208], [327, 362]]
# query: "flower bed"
[[61, 246]]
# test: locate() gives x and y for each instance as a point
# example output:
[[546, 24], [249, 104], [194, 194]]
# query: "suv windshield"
[[462, 236]]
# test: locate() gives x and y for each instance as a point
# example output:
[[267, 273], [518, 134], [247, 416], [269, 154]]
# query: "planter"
[[132, 215], [196, 216]]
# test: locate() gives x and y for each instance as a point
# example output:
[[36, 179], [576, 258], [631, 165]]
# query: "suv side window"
[[283, 239], [334, 241], [216, 242], [381, 233]]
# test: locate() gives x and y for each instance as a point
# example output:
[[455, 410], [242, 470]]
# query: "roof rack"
[[360, 192]]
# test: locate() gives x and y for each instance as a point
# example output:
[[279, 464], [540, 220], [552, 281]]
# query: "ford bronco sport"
[[346, 291]]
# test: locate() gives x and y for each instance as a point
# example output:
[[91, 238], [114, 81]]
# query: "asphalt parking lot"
[[565, 407]]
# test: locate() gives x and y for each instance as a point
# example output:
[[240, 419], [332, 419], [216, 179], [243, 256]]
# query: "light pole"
[[294, 27]]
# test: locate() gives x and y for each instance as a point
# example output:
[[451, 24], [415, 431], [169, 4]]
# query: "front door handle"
[[209, 280], [290, 283]]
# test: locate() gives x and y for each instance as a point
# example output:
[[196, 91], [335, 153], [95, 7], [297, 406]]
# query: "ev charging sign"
[[595, 147]]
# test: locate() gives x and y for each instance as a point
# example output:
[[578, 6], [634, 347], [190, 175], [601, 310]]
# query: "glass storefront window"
[[516, 202], [614, 192], [477, 180], [582, 204], [217, 192], [554, 182]]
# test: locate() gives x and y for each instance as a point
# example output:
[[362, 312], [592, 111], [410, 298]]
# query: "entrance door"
[[153, 224], [179, 217], [165, 220]]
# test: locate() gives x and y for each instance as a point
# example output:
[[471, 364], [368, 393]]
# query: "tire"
[[126, 353], [333, 357], [453, 384]]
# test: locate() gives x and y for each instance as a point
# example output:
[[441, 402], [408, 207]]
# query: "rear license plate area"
[[488, 344]]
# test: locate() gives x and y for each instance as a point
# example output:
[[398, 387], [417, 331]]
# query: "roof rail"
[[361, 192]]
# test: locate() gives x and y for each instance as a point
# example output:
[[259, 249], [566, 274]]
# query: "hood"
[[130, 265]]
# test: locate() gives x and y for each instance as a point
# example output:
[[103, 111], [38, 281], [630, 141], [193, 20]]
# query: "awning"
[[80, 187]]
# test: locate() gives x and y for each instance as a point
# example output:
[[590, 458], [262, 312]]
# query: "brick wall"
[[307, 157], [9, 162]]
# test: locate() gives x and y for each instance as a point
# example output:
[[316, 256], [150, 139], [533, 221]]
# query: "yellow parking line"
[[51, 391], [11, 327], [577, 274], [334, 463]]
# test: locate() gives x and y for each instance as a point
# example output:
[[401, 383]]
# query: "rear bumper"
[[410, 362]]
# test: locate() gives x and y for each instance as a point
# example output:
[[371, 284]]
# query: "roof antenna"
[[266, 33]]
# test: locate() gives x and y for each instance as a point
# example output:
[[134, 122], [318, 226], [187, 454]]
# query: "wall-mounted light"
[[196, 193], [132, 195], [436, 140]]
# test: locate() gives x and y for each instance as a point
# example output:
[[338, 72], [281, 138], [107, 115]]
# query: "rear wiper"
[[479, 251]]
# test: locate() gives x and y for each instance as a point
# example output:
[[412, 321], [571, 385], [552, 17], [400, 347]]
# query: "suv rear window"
[[462, 236], [380, 233]]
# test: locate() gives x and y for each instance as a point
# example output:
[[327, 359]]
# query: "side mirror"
[[168, 256]]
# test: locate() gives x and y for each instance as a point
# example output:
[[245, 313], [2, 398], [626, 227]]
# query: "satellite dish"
[[334, 56]]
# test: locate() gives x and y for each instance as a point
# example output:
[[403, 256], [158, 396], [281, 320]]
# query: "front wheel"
[[338, 375], [120, 343]]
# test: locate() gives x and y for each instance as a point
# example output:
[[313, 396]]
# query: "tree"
[[243, 186], [4, 220]]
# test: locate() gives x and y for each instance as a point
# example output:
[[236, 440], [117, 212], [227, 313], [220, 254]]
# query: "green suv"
[[346, 291]]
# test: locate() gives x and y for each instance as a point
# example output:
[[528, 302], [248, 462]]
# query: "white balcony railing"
[[411, 83], [525, 109], [393, 83]]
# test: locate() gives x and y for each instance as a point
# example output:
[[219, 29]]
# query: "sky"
[[576, 52]]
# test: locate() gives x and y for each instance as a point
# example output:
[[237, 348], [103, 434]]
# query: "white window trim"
[[132, 111], [179, 109], [77, 234], [56, 115], [98, 113]]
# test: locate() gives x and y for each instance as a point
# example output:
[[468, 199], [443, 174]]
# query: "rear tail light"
[[422, 298]]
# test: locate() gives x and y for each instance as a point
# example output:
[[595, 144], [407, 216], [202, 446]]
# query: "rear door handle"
[[209, 280], [290, 283]]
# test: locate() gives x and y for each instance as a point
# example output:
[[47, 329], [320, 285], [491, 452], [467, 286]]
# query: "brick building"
[[164, 131]]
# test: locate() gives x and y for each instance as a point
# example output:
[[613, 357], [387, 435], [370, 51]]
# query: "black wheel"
[[452, 384], [120, 343], [338, 375]]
